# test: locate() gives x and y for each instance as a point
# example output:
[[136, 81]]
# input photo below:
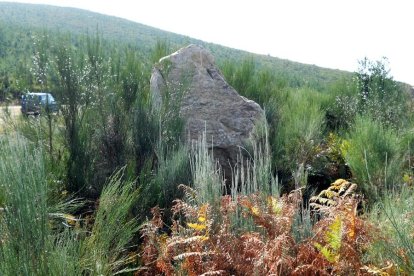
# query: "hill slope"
[[29, 17]]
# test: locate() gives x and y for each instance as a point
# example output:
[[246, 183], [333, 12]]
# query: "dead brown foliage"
[[203, 243]]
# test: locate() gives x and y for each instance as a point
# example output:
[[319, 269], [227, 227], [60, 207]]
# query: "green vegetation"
[[39, 237], [394, 214], [374, 157], [20, 24], [78, 189]]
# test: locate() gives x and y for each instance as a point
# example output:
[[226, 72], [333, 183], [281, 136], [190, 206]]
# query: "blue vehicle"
[[36, 103]]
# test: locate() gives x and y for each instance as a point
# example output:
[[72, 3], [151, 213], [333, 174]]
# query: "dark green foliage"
[[35, 242], [255, 84], [145, 134], [76, 102], [99, 95], [159, 186], [372, 92], [243, 77], [107, 121]]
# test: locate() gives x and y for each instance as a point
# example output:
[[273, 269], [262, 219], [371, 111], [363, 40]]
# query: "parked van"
[[35, 103]]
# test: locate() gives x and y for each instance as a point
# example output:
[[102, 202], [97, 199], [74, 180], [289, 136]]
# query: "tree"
[[379, 95]]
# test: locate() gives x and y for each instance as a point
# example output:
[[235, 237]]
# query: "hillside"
[[319, 181], [27, 18]]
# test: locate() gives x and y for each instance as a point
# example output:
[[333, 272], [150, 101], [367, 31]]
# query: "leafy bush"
[[380, 96], [343, 106]]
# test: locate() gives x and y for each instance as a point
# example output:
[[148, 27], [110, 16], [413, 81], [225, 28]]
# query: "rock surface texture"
[[207, 103]]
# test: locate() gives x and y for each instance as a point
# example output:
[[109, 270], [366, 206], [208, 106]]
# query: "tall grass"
[[24, 223], [250, 175], [207, 177], [64, 256], [254, 174], [105, 250], [159, 185], [33, 243], [395, 217]]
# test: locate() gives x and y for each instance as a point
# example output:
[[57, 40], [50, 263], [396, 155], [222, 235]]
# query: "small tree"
[[75, 99], [40, 71], [379, 95]]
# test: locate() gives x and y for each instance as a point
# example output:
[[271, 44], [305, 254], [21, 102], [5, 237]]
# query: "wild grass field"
[[108, 187]]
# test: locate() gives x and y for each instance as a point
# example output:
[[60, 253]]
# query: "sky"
[[328, 33]]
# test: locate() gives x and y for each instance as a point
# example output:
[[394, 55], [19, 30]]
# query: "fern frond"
[[333, 240], [186, 255], [308, 269], [181, 241], [331, 194], [351, 189], [197, 226], [215, 272], [327, 253], [390, 269], [339, 183], [274, 205], [334, 234], [189, 193]]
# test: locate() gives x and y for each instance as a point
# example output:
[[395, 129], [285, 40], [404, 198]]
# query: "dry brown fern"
[[202, 243], [342, 249], [338, 190]]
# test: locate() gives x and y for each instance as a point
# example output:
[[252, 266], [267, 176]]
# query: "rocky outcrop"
[[207, 103]]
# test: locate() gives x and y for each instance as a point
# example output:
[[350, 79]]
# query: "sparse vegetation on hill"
[[19, 23], [107, 186]]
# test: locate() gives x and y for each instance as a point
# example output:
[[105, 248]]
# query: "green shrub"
[[29, 245], [256, 84], [297, 129], [374, 157], [379, 96], [159, 185], [342, 107]]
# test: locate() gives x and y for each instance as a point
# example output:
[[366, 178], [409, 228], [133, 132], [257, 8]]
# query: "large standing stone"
[[207, 102]]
